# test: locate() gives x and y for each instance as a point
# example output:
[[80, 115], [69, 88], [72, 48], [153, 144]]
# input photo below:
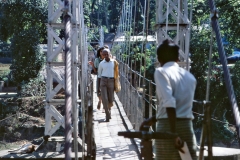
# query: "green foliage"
[[103, 13], [143, 60], [19, 15], [199, 49], [86, 12], [4, 49], [229, 21], [115, 49], [23, 22], [223, 132], [35, 87], [28, 59], [4, 76]]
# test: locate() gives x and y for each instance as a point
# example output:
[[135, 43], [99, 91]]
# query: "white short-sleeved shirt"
[[106, 69], [175, 88]]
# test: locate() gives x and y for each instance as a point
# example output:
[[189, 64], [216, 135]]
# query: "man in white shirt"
[[106, 82], [175, 88]]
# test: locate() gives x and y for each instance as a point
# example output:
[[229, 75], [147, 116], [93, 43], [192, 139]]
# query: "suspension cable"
[[134, 24], [143, 35], [178, 21], [68, 82], [209, 67], [130, 29], [143, 32], [190, 28], [144, 21], [227, 78], [167, 16], [146, 40]]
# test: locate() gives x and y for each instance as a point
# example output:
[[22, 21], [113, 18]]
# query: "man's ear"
[[178, 59]]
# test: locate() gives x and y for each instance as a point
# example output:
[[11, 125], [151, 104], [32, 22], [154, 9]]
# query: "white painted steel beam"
[[55, 48], [174, 22]]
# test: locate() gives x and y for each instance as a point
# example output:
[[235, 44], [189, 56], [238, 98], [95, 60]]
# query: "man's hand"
[[147, 122], [90, 63], [179, 144]]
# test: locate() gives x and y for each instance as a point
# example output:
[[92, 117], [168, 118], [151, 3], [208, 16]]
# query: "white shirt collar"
[[106, 61], [170, 64]]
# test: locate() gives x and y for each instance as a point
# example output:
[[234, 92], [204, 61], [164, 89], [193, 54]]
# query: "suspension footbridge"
[[86, 135]]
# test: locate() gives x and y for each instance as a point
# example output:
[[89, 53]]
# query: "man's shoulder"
[[114, 60], [101, 62], [159, 69], [187, 74]]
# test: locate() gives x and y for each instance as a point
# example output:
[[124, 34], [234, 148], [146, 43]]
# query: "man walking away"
[[175, 88]]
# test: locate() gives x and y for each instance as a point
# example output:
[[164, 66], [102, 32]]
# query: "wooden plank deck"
[[109, 144]]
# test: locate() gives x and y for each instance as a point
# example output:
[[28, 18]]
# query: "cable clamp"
[[214, 13], [65, 11]]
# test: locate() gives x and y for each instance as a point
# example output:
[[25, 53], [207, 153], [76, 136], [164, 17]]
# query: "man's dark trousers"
[[107, 93]]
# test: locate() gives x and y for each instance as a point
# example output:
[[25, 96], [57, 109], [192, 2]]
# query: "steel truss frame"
[[78, 36], [173, 23], [81, 82], [53, 28]]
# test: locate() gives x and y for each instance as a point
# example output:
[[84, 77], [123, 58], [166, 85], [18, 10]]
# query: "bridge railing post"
[[150, 99], [143, 98]]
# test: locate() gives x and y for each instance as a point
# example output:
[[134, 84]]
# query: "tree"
[[105, 13], [199, 49], [23, 23]]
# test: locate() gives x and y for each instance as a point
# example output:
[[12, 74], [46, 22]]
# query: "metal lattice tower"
[[172, 19], [55, 66]]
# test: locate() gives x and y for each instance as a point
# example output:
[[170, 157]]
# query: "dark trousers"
[[107, 94]]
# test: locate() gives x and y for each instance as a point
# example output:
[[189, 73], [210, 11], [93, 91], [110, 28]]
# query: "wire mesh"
[[138, 99]]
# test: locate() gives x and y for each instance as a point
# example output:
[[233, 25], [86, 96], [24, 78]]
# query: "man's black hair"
[[167, 51]]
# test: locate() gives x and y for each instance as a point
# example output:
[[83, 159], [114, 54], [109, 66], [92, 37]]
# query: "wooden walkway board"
[[109, 144]]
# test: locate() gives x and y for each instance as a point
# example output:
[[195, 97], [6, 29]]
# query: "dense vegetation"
[[199, 49], [23, 25]]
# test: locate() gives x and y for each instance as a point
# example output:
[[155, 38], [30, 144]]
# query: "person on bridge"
[[95, 66], [106, 82], [175, 88]]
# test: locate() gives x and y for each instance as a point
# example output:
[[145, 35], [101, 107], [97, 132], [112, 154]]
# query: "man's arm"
[[148, 122], [94, 69], [171, 112], [99, 76], [171, 117]]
